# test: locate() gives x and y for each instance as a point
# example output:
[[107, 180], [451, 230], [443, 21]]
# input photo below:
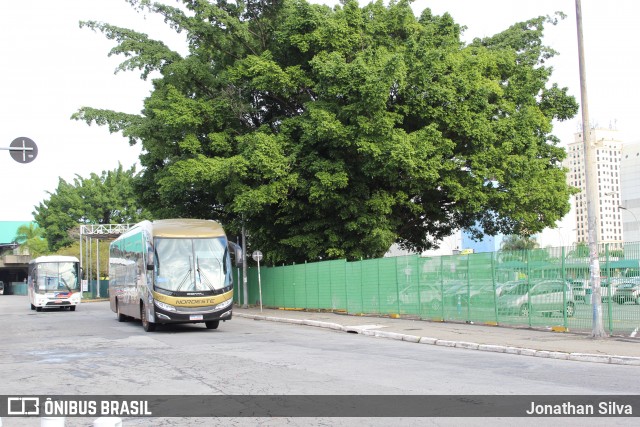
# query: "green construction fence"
[[541, 288]]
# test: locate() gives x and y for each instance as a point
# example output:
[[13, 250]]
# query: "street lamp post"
[[560, 235]]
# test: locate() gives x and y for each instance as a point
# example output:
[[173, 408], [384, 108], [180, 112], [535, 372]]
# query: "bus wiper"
[[184, 280], [65, 285], [200, 276]]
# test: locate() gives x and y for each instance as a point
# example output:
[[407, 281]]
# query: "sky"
[[51, 68]]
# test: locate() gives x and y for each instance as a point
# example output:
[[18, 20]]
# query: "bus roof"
[[54, 258], [181, 227]]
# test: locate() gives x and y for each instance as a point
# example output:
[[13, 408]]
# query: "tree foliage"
[[336, 132], [108, 198], [29, 237], [581, 250], [519, 243]]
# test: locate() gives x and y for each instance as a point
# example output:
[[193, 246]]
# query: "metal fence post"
[[378, 280], [611, 287], [468, 288], [526, 254], [417, 258], [493, 280], [442, 287], [564, 290], [397, 288], [361, 293], [346, 290], [306, 300], [294, 291]]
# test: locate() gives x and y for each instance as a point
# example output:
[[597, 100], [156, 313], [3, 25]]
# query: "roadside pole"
[[592, 189], [257, 256], [245, 291]]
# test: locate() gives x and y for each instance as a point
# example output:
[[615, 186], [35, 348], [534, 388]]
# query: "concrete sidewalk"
[[500, 339]]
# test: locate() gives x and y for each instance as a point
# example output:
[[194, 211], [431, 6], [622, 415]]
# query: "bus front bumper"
[[192, 314], [52, 301]]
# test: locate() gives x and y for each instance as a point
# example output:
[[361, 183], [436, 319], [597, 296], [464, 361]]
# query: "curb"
[[578, 357]]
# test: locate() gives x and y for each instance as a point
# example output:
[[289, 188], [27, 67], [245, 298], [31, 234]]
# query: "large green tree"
[[108, 198], [335, 132]]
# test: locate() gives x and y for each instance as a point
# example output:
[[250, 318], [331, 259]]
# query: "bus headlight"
[[224, 304], [164, 306]]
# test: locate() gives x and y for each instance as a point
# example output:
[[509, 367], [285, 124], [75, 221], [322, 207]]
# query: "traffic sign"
[[23, 150], [257, 256]]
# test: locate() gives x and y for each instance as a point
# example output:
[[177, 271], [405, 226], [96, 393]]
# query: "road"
[[89, 352]]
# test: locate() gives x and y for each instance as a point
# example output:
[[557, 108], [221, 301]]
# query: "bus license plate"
[[196, 317], [58, 301]]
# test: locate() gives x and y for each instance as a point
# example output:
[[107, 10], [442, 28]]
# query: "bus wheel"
[[213, 324], [38, 308], [72, 308], [146, 325]]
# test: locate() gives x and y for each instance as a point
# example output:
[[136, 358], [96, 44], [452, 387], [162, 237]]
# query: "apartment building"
[[608, 163], [630, 191]]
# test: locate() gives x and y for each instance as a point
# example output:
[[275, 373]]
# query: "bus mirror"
[[150, 265], [237, 253]]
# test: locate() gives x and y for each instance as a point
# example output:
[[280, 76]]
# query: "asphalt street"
[[522, 341]]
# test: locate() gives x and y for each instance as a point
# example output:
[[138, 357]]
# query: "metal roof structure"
[[104, 231]]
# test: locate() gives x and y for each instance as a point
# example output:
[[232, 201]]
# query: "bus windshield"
[[57, 276], [188, 265]]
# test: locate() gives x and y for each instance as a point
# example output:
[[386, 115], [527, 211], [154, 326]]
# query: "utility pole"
[[244, 267], [592, 189]]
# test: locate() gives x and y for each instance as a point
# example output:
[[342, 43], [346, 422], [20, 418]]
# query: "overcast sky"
[[51, 67]]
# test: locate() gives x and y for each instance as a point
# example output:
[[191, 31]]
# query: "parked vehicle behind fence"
[[581, 291], [627, 292], [544, 297]]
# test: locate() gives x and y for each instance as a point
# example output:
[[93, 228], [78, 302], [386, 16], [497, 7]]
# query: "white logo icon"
[[23, 406]]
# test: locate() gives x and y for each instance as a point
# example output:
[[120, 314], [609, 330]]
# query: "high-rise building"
[[608, 160], [630, 191]]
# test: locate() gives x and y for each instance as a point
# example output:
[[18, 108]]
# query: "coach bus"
[[54, 282], [172, 271]]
